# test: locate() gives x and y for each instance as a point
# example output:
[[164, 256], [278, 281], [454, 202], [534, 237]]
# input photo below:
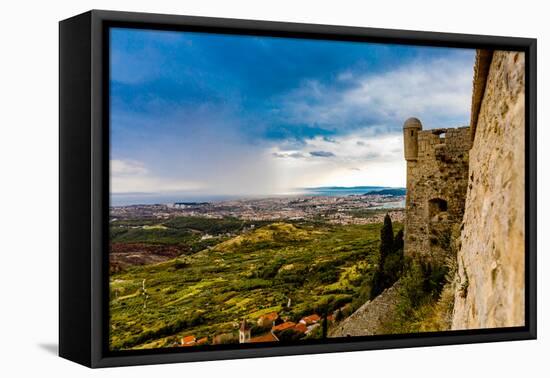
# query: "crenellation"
[[436, 187]]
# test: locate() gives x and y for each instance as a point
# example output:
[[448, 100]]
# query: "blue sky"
[[195, 113]]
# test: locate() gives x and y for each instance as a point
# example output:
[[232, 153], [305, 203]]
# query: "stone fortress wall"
[[491, 259], [437, 179], [369, 319], [479, 172], [473, 180]]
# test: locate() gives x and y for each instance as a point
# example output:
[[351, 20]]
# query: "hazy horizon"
[[129, 199], [212, 115]]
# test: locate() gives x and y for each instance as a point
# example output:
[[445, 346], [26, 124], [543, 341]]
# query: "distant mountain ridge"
[[390, 192], [352, 190], [346, 187]]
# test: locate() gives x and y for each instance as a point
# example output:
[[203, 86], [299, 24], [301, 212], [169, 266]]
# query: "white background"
[[29, 187]]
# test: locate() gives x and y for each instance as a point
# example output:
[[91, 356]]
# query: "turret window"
[[436, 206]]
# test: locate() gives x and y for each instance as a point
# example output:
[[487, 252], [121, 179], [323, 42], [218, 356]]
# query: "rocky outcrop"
[[370, 317], [491, 258]]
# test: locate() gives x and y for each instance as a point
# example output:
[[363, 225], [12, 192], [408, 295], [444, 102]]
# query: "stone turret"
[[437, 177], [410, 136]]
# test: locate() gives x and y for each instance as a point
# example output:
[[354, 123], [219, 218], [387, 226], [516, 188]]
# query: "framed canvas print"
[[233, 188]]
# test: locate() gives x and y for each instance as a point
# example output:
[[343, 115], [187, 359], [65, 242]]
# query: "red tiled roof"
[[283, 326], [300, 328], [188, 339], [265, 338], [269, 316], [204, 340], [311, 319]]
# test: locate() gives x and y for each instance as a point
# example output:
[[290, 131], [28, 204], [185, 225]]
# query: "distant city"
[[125, 199], [338, 205]]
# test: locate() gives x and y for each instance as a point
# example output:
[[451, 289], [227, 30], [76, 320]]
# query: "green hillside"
[[207, 293]]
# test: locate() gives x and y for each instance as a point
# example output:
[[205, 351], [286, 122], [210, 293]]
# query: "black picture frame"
[[84, 185]]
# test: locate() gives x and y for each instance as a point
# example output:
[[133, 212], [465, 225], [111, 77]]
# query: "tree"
[[386, 239], [393, 264], [390, 265], [289, 335], [386, 247], [325, 323], [398, 243]]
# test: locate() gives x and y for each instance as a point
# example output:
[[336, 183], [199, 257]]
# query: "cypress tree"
[[325, 326], [398, 242], [386, 239], [380, 280]]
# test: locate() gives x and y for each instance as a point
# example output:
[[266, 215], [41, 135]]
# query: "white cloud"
[[360, 158], [131, 176], [436, 91], [127, 168], [371, 109], [362, 146], [439, 88]]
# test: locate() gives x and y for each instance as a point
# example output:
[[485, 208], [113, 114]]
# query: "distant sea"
[[153, 198]]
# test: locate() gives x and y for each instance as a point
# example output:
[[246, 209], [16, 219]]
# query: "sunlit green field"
[[317, 266]]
